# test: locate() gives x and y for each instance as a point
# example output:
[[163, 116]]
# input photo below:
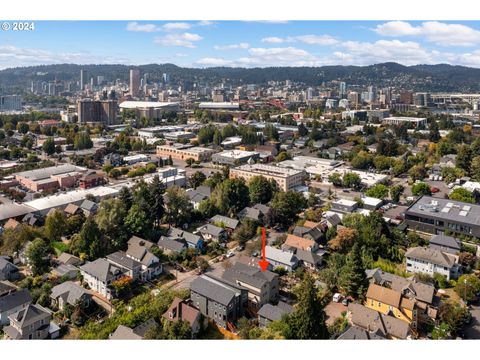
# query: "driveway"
[[333, 311]]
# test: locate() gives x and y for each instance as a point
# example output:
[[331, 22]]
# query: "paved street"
[[472, 330]]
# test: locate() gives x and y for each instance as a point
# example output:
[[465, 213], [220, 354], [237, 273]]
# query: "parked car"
[[337, 297], [434, 189], [345, 301], [230, 254], [240, 248], [255, 254]]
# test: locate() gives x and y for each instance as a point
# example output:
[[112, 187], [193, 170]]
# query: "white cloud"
[[174, 26], [205, 23], [135, 26], [232, 46], [323, 40], [434, 31], [182, 39], [273, 40], [365, 53], [12, 56]]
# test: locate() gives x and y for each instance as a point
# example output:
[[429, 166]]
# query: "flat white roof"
[[268, 170], [237, 154], [219, 105], [62, 199], [404, 118]]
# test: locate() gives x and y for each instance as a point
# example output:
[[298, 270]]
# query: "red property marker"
[[263, 263]]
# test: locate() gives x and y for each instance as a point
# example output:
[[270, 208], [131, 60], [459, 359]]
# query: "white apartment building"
[[285, 178]]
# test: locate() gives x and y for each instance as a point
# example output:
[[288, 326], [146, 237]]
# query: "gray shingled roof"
[[357, 333], [101, 269], [211, 230], [446, 241], [229, 222], [30, 315], [172, 244], [274, 312], [214, 289], [14, 299], [187, 236], [432, 256], [123, 260], [69, 291], [280, 256]]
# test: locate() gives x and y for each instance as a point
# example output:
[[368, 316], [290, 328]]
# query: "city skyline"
[[243, 43]]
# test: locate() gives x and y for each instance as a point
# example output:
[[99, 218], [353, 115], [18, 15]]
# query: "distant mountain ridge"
[[433, 78]]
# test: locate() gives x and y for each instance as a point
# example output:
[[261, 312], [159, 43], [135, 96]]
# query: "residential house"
[[70, 293], [72, 209], [269, 313], [298, 242], [137, 333], [430, 261], [357, 333], [88, 207], [131, 267], [427, 301], [280, 258], [100, 274], [223, 221], [193, 241], [65, 271], [172, 246], [309, 259], [262, 286], [250, 213], [8, 271], [312, 233], [140, 252], [218, 300], [390, 302], [181, 310], [379, 324], [197, 195], [135, 240], [445, 243], [12, 300], [213, 233], [32, 322], [69, 259]]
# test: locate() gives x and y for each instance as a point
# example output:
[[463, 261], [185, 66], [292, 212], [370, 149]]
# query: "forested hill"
[[431, 78]]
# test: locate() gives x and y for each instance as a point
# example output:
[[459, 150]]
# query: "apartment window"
[[371, 302], [379, 304]]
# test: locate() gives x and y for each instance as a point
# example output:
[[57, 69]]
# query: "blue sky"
[[246, 44]]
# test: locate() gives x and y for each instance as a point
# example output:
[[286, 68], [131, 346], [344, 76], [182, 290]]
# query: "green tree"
[[441, 332], [395, 192], [336, 179], [468, 287], [22, 127], [178, 207], [55, 225], [379, 191], [89, 241], [354, 281], [462, 194], [156, 200], [352, 180], [307, 321], [48, 146], [207, 209], [260, 190], [286, 206], [176, 330], [110, 219], [420, 189], [82, 141], [231, 196], [37, 254], [138, 221], [453, 314], [196, 179], [464, 158]]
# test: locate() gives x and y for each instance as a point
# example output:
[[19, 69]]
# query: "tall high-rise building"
[[102, 111], [354, 98], [134, 82], [342, 90], [406, 97], [83, 79], [166, 78], [10, 103]]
